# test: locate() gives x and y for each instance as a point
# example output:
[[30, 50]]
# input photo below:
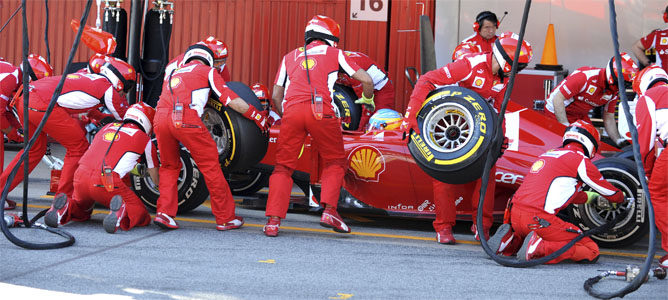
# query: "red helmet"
[[504, 50], [39, 67], [324, 28], [647, 78], [584, 133], [142, 114], [463, 49], [262, 93], [200, 51], [217, 46], [121, 75], [95, 62], [629, 69]]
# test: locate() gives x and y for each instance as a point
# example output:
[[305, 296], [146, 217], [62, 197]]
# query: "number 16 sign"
[[368, 10]]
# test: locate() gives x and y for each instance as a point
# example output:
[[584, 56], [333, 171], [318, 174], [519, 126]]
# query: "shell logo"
[[73, 76], [591, 90], [109, 136], [366, 163], [308, 63], [478, 82], [537, 166], [175, 82]]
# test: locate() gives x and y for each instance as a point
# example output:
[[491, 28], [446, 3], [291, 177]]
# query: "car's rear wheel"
[[634, 225], [456, 129]]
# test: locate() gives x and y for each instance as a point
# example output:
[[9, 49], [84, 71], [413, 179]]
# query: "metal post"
[[133, 42]]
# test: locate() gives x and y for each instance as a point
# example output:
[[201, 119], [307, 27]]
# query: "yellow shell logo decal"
[[308, 63], [110, 135], [175, 82], [73, 76], [367, 163], [537, 166]]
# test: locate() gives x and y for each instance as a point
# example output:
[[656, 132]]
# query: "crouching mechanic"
[[554, 181], [651, 117], [303, 96], [10, 80], [115, 150], [177, 120], [590, 87], [484, 73], [81, 93]]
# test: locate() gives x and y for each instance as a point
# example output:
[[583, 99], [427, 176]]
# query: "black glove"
[[504, 146], [622, 142]]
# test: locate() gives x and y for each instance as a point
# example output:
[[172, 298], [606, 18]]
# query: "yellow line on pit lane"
[[381, 235]]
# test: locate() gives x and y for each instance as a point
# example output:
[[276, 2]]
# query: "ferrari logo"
[[591, 89], [308, 63], [109, 136], [537, 166], [367, 163]]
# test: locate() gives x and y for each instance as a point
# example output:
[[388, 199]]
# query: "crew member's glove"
[[15, 136], [139, 170], [367, 102], [622, 142], [592, 196], [410, 122], [260, 118]]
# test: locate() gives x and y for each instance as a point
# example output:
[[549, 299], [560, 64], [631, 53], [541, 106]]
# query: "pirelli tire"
[[456, 128], [248, 182], [634, 225], [241, 144], [192, 190], [345, 107]]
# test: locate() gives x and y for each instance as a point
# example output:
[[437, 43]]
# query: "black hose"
[[10, 18], [12, 238], [46, 32], [492, 157], [640, 278]]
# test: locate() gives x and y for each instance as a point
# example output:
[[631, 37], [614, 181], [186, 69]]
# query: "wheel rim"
[[243, 180], [600, 216], [450, 127], [216, 127], [154, 188]]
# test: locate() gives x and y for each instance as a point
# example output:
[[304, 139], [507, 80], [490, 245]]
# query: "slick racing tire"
[[191, 186], [626, 153], [246, 183], [622, 174], [456, 129], [345, 107], [241, 144]]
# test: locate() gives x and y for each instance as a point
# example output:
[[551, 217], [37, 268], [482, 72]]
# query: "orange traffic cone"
[[99, 41], [549, 60]]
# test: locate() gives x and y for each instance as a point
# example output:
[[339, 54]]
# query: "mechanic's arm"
[[639, 51], [277, 98], [611, 128], [560, 107], [153, 172], [367, 83], [589, 174], [646, 133]]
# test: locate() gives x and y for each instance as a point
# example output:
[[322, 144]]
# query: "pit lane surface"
[[384, 258]]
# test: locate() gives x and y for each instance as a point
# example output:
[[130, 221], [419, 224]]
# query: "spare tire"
[[345, 107], [241, 144], [456, 130]]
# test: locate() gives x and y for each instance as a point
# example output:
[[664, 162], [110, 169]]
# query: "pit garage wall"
[[582, 29]]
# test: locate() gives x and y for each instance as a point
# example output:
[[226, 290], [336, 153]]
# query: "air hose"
[[651, 250], [492, 156], [5, 230]]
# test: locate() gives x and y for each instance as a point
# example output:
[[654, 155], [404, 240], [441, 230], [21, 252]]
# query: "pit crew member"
[[590, 87], [484, 73], [651, 117], [485, 26], [554, 181], [657, 40], [177, 120], [382, 85], [219, 49], [116, 148], [262, 93], [11, 79], [302, 95], [81, 93]]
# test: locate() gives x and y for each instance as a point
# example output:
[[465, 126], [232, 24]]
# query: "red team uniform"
[[658, 39], [483, 44], [81, 93], [178, 62], [382, 85], [584, 89], [10, 80]]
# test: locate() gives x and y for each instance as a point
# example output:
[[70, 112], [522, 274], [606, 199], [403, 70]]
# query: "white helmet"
[[199, 51], [142, 114], [648, 77]]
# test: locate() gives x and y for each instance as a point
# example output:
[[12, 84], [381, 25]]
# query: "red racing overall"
[[584, 89], [473, 72], [298, 121], [10, 80], [658, 39], [477, 39], [81, 93], [191, 85], [554, 181], [128, 145], [652, 119]]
